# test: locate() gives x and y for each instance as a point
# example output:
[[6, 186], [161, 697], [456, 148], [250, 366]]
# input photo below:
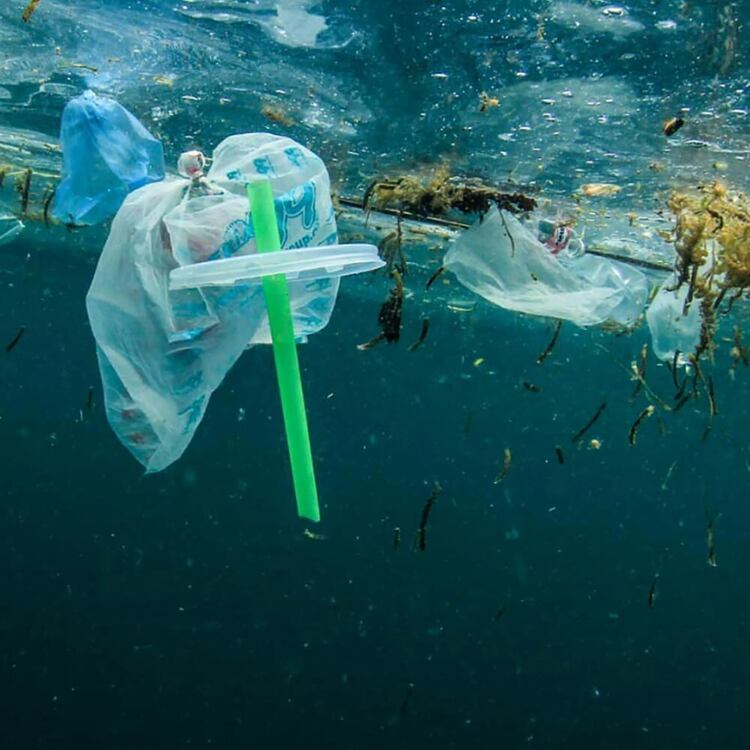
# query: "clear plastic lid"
[[302, 264]]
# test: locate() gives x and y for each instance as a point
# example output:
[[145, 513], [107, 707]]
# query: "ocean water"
[[570, 604]]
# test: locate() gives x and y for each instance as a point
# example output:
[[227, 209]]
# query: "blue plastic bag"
[[107, 153]]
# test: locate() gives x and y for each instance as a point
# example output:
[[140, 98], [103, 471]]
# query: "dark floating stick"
[[499, 614], [675, 360], [559, 454], [712, 410], [551, 345], [421, 539], [47, 202], [682, 402], [396, 537], [422, 335], [90, 398], [29, 10], [590, 423], [24, 187], [14, 341], [647, 412], [531, 387], [434, 277]]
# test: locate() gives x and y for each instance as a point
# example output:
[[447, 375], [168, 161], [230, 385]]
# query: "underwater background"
[[568, 605]]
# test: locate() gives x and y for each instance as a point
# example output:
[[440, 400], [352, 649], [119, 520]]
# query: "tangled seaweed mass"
[[712, 242]]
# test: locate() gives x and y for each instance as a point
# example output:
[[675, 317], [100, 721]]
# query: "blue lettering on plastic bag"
[[295, 156]]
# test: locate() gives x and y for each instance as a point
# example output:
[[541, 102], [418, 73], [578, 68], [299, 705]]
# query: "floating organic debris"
[[421, 541], [712, 243], [487, 102], [389, 316], [434, 277], [396, 537], [548, 349], [422, 335], [668, 476], [507, 458], [90, 398], [23, 185], [672, 125], [391, 249], [595, 444], [738, 352], [531, 387], [652, 592], [559, 454], [14, 341], [633, 432], [600, 189], [712, 410], [711, 539], [443, 194], [313, 535], [30, 10], [639, 369], [578, 435], [276, 114]]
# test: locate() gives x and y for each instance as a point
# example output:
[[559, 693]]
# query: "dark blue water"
[[190, 609]]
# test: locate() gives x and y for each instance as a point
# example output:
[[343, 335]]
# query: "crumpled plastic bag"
[[162, 353], [501, 260], [107, 153], [671, 330]]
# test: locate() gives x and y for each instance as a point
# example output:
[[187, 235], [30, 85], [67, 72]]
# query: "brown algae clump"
[[440, 194], [712, 242]]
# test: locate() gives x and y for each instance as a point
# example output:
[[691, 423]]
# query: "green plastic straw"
[[276, 292]]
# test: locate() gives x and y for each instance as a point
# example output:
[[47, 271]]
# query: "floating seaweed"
[[507, 459], [712, 244], [548, 349], [422, 335], [645, 414], [29, 10], [672, 125], [389, 316], [11, 345], [578, 435], [442, 194], [421, 541]]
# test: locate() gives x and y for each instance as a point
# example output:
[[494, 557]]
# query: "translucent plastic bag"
[[107, 153], [162, 353], [501, 260], [671, 330]]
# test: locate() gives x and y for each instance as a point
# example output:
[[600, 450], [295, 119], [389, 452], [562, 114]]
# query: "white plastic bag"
[[501, 260], [162, 353]]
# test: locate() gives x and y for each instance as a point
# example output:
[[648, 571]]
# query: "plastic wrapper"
[[501, 260], [162, 353], [107, 153]]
